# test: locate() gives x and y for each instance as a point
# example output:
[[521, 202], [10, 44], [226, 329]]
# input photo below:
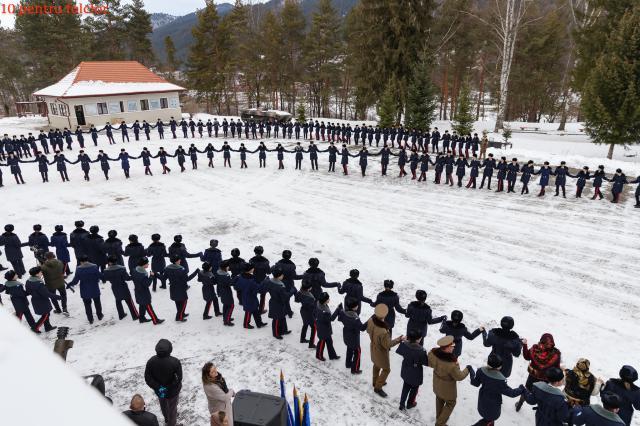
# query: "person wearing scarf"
[[541, 356], [580, 384], [218, 393]]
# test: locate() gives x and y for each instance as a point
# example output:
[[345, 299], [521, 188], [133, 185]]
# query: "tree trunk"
[[445, 91], [510, 25], [610, 153], [480, 88]]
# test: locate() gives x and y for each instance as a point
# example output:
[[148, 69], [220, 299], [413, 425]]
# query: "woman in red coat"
[[541, 356]]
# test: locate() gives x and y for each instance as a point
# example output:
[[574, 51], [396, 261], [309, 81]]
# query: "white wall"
[[91, 115]]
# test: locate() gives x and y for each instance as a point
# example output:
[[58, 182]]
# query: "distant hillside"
[[180, 28], [160, 19]]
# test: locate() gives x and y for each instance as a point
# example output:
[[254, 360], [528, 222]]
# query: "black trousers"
[[312, 336], [278, 326], [408, 391], [488, 182], [18, 267], [63, 299], [147, 309], [130, 305], [27, 315], [181, 307], [207, 306], [169, 408], [328, 342], [89, 311], [353, 359], [332, 166], [157, 275], [256, 316], [227, 311]]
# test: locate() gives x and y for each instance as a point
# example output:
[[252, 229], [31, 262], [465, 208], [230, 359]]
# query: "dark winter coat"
[[488, 165], [178, 278], [527, 170], [504, 343], [60, 242], [619, 181], [40, 296], [18, 295], [208, 281], [391, 299], [278, 298], [77, 241], [458, 331], [223, 279], [630, 398], [249, 289], [113, 247], [598, 177], [316, 277], [157, 251], [13, 246], [141, 283], [94, 246], [552, 409], [141, 418], [135, 252], [595, 415], [352, 328], [324, 317], [352, 287], [561, 173], [307, 305], [544, 173], [213, 256], [512, 172], [117, 275], [461, 167], [261, 268], [414, 358], [492, 386], [420, 317], [289, 270], [163, 370], [88, 275], [39, 241], [235, 265]]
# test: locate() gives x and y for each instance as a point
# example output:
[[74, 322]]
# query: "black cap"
[[94, 229], [414, 335], [494, 361], [235, 252], [35, 271], [421, 295], [506, 323], [323, 297], [133, 238], [354, 273], [9, 227], [277, 271], [174, 258], [58, 228], [610, 400], [388, 283], [143, 261], [213, 243], [10, 275], [314, 262], [206, 266], [628, 374], [456, 316], [79, 223], [112, 259], [286, 254], [258, 250], [554, 374], [177, 238], [112, 233], [155, 237], [37, 228]]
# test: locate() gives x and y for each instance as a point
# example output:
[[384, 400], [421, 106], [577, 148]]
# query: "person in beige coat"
[[53, 273], [381, 344], [446, 374], [484, 144], [218, 393]]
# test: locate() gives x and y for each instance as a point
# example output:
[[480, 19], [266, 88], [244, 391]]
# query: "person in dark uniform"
[[414, 358], [117, 275], [40, 298], [324, 317], [88, 275], [352, 327], [392, 300], [13, 249], [420, 315], [18, 295], [158, 251], [207, 278], [178, 278], [223, 280], [142, 282]]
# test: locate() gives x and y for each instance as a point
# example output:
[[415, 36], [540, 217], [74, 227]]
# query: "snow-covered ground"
[[562, 266]]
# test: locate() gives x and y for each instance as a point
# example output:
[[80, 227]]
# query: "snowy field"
[[568, 267]]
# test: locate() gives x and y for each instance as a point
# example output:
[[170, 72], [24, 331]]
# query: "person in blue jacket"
[[178, 279], [333, 155], [94, 247], [173, 125], [212, 255], [619, 180], [625, 388], [606, 414], [123, 130], [178, 248], [561, 172], [502, 173], [136, 130], [117, 275], [324, 318], [60, 160], [40, 298], [544, 172], [134, 251], [261, 268], [456, 328], [598, 177], [488, 165], [94, 136], [87, 275], [146, 161], [38, 243], [109, 130], [449, 163], [158, 251], [414, 358], [43, 166], [124, 162], [504, 342], [208, 280], [392, 300], [637, 193], [461, 167], [402, 161], [352, 327], [14, 166], [385, 154], [307, 306], [581, 182], [61, 243], [363, 157], [141, 283], [352, 287], [279, 306], [420, 315], [552, 407], [13, 249], [226, 154], [474, 165], [104, 159], [147, 129], [160, 128], [223, 281], [527, 170], [162, 154], [344, 159], [19, 300], [313, 155], [493, 385], [424, 167], [249, 290]]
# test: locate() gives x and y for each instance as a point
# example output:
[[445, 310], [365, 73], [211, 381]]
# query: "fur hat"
[[323, 297]]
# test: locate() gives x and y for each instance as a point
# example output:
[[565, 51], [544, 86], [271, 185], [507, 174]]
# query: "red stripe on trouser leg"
[[413, 401], [247, 318], [230, 311], [42, 321], [133, 307], [19, 316], [152, 314], [184, 306], [358, 360]]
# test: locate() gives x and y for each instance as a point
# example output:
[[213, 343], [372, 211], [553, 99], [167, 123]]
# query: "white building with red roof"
[[110, 91]]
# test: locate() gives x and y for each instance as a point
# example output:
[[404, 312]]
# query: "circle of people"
[[413, 152], [100, 259]]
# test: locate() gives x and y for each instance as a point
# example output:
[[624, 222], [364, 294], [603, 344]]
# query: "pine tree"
[[421, 98], [293, 25], [208, 58], [301, 113], [322, 56], [463, 122], [271, 41], [387, 106], [108, 35], [52, 44], [138, 28], [172, 63], [611, 97]]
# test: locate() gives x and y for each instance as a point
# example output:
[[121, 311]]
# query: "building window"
[[174, 103], [144, 105], [64, 110], [102, 108], [90, 109], [132, 105], [121, 106], [54, 109], [154, 104], [164, 103]]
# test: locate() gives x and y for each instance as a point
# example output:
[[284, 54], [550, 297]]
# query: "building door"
[[80, 115]]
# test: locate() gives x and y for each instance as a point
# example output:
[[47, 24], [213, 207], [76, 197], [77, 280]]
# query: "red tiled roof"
[[116, 72]]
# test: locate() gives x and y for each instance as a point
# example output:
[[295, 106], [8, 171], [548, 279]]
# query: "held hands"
[[524, 341]]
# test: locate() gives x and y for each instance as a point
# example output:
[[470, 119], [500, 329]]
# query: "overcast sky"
[[172, 7]]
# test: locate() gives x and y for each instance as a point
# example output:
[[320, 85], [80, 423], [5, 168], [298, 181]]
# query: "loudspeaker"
[[258, 409]]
